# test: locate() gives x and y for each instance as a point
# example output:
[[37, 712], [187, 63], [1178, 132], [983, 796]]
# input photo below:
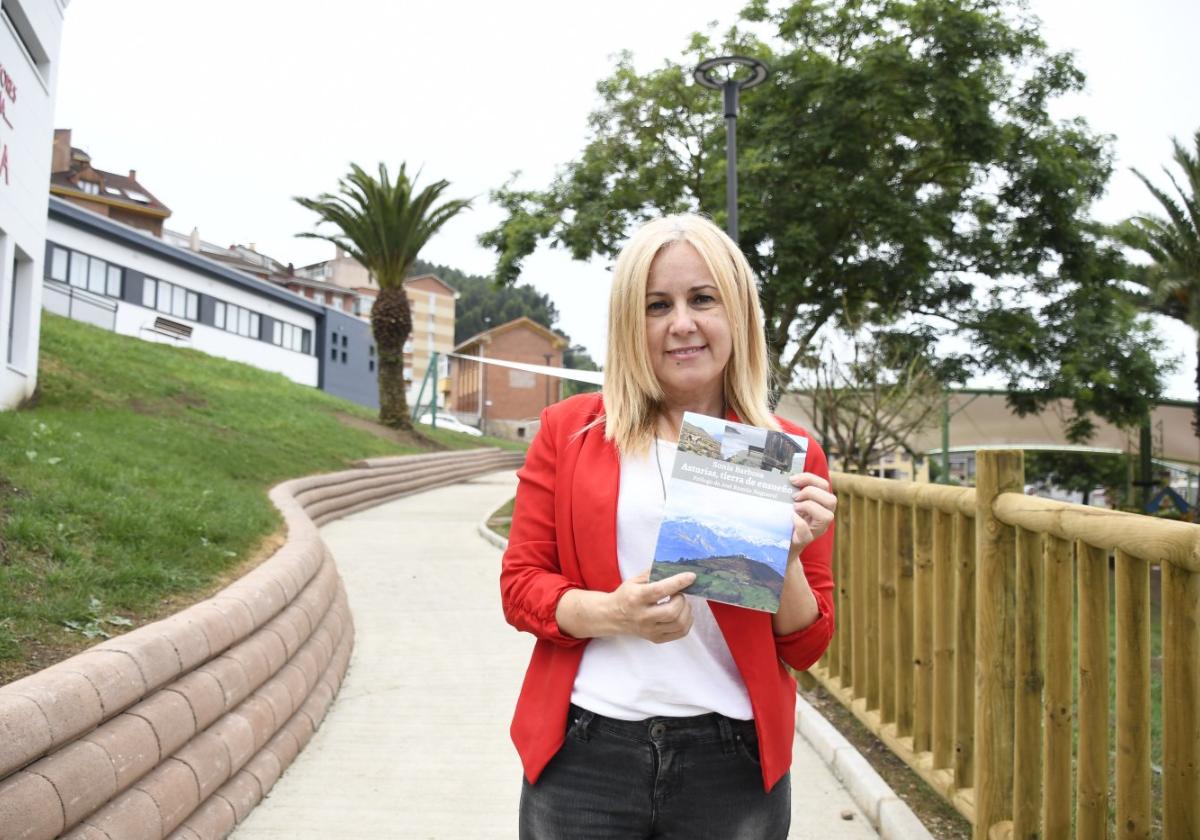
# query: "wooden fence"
[[973, 639]]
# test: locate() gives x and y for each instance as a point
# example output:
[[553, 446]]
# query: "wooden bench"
[[172, 329]]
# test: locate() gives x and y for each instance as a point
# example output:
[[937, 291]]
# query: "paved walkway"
[[416, 743]]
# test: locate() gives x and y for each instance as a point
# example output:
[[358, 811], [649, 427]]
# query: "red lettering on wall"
[[10, 88]]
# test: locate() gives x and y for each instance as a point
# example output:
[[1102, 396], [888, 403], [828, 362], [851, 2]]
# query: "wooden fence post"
[[1133, 697], [964, 652], [871, 605], [924, 618], [845, 616], [1028, 679], [996, 472], [889, 571], [943, 640], [859, 601], [1091, 797], [903, 618]]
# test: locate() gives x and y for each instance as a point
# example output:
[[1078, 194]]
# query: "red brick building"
[[503, 401], [119, 197]]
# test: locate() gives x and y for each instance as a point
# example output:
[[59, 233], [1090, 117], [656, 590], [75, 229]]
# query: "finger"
[[813, 513], [669, 586], [816, 494], [668, 612], [806, 479], [671, 634]]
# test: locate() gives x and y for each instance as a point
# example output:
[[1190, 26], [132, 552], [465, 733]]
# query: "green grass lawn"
[[137, 482], [501, 519]]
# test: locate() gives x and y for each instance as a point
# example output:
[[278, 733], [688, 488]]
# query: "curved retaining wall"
[[179, 728]]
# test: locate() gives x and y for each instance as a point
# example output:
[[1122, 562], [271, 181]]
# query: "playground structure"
[[960, 614]]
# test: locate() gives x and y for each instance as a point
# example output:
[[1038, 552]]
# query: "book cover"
[[728, 514]]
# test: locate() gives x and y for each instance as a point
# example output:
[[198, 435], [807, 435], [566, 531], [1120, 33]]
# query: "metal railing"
[[79, 304]]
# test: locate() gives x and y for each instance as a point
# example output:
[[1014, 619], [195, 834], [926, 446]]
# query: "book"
[[728, 512]]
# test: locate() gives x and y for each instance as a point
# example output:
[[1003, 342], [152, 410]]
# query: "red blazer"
[[564, 536]]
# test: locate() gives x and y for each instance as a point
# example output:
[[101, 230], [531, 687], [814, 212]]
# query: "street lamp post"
[[706, 74]]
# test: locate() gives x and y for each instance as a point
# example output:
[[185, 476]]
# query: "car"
[[450, 423]]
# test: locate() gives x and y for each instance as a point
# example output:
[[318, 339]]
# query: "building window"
[[79, 269], [236, 319], [12, 315], [343, 357], [345, 340], [20, 301], [14, 14], [89, 187], [170, 299], [291, 337], [58, 264], [333, 354], [97, 271], [86, 272], [371, 365]]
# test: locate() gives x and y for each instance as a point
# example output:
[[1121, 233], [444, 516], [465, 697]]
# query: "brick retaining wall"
[[179, 728]]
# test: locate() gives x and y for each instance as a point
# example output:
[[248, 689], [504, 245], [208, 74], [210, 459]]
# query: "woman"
[[646, 712]]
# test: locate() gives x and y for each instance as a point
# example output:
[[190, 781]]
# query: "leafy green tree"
[[384, 224], [1172, 280], [899, 170], [577, 357], [1080, 472]]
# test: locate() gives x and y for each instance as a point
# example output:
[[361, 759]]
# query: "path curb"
[[887, 812], [490, 535]]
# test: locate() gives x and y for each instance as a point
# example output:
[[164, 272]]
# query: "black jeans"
[[663, 778]]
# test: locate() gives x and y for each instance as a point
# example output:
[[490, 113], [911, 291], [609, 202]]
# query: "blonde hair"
[[632, 394]]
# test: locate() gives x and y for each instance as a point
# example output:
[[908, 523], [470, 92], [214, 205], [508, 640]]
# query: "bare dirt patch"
[[942, 820], [413, 439]]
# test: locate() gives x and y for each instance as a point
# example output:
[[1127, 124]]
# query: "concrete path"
[[416, 743]]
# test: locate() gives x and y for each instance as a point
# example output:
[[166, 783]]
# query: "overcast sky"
[[227, 109]]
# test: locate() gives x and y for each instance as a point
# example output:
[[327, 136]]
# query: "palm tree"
[[1172, 280], [384, 225]]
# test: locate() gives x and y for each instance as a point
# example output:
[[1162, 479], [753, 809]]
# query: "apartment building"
[[433, 312]]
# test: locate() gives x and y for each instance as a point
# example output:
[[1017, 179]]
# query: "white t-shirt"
[[629, 678]]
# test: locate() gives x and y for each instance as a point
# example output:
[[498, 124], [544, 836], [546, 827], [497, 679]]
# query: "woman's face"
[[687, 327]]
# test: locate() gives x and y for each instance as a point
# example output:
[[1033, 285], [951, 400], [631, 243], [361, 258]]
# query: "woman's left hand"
[[813, 505]]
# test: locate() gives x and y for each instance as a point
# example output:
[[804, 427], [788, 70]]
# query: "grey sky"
[[228, 109]]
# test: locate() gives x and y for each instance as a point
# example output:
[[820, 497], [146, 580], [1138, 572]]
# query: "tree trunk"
[[391, 323], [1196, 413]]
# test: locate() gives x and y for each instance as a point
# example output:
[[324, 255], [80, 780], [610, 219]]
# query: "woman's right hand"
[[656, 611]]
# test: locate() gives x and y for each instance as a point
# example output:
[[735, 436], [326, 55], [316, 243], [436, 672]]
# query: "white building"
[[30, 33], [133, 283]]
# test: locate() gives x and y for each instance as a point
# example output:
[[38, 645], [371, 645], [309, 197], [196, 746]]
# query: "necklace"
[[658, 460]]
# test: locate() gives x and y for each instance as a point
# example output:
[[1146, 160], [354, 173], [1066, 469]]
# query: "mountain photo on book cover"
[[735, 544]]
